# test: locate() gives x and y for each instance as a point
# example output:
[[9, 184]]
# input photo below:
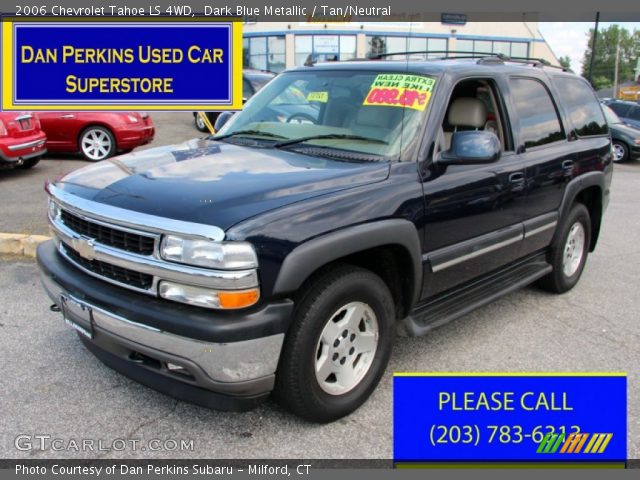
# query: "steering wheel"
[[301, 118]]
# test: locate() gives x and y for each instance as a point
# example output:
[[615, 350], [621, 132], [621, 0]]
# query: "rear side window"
[[621, 109], [585, 112], [539, 121]]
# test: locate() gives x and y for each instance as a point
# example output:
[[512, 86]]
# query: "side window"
[[620, 108], [539, 122], [474, 105], [585, 112], [635, 113]]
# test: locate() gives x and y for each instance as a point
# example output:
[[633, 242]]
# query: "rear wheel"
[[97, 143], [29, 163], [339, 345], [569, 252]]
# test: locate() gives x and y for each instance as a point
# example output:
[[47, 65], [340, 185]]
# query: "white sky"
[[570, 38]]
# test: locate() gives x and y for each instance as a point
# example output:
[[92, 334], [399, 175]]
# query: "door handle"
[[70, 115], [517, 177], [517, 181], [567, 165]]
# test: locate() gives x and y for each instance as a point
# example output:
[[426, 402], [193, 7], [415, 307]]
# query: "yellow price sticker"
[[322, 97]]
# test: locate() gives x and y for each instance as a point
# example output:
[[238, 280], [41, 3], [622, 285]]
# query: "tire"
[[97, 143], [200, 125], [30, 163], [620, 152], [317, 338], [566, 256]]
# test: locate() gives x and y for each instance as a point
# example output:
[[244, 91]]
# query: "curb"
[[19, 244]]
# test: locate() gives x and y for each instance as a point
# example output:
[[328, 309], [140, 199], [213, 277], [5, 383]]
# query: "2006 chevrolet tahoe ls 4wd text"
[[346, 202]]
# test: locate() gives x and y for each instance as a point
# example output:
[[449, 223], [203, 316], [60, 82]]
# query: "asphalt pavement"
[[52, 386]]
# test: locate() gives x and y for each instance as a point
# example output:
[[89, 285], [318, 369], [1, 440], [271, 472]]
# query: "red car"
[[96, 135], [22, 142]]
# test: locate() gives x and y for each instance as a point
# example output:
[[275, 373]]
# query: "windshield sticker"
[[407, 91], [318, 97]]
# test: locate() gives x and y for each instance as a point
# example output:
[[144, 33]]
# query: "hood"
[[624, 129], [214, 183]]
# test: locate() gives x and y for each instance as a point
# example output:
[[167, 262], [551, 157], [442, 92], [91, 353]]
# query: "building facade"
[[275, 46]]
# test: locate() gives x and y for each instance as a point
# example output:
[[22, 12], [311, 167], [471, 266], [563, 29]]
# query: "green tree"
[[565, 62], [605, 57]]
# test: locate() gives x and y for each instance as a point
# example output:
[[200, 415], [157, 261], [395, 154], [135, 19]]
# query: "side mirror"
[[472, 147], [222, 119]]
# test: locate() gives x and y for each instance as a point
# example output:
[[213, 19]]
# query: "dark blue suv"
[[283, 254]]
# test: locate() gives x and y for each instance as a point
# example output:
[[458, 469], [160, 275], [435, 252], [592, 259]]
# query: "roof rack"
[[484, 58], [446, 54]]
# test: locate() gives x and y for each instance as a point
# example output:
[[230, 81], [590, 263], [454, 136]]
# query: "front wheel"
[[568, 254], [339, 345], [97, 143], [620, 152], [200, 125]]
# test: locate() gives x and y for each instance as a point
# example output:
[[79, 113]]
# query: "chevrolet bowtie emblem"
[[84, 247]]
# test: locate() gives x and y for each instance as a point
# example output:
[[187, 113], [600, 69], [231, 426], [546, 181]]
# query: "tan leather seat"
[[464, 112]]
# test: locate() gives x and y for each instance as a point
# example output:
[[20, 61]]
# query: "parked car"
[[96, 135], [626, 140], [629, 112], [283, 257], [252, 81], [22, 141]]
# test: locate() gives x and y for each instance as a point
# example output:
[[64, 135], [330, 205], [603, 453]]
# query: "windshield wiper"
[[330, 136], [247, 132]]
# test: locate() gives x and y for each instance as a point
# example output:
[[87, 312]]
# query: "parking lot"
[[52, 386]]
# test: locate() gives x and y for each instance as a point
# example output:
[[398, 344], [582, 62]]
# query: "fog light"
[[206, 297]]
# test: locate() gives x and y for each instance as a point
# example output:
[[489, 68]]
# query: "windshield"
[[610, 115], [349, 112]]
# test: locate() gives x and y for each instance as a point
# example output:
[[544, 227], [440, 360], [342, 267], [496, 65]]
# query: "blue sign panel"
[[108, 65], [510, 417]]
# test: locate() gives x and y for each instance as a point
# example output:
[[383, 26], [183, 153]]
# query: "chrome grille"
[[118, 274], [123, 240]]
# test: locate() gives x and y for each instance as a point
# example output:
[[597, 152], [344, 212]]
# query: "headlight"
[[205, 297], [209, 254], [132, 119], [637, 141]]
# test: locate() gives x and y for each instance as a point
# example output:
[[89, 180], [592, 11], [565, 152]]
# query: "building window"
[[378, 44], [511, 49], [264, 53], [324, 48]]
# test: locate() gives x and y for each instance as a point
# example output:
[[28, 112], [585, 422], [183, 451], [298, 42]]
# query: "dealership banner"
[[510, 417], [121, 65]]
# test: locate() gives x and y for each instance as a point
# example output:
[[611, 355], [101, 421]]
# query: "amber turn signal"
[[242, 299]]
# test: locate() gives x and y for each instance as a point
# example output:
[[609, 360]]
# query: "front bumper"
[[130, 137], [634, 152], [221, 366]]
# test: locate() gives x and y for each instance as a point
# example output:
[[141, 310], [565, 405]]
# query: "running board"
[[450, 306]]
